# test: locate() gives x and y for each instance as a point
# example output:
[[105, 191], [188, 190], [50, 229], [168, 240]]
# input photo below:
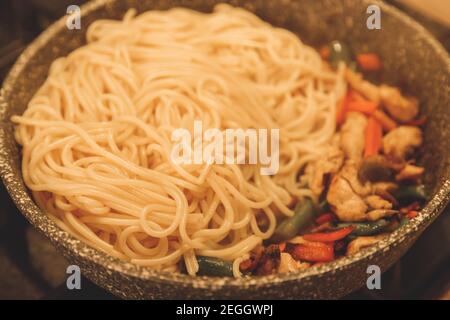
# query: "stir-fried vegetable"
[[410, 193], [386, 122], [375, 168], [374, 136], [214, 267], [303, 217], [324, 218], [340, 52], [363, 106], [329, 236], [365, 228], [323, 207], [369, 61], [325, 52], [412, 214], [313, 252], [341, 108]]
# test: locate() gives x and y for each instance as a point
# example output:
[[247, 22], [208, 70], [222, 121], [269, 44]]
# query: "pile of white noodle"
[[96, 136]]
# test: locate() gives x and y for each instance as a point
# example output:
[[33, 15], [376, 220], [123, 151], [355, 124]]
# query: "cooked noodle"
[[96, 137]]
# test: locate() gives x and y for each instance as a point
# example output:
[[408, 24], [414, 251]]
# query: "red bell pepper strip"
[[324, 218], [329, 236], [412, 207], [412, 214]]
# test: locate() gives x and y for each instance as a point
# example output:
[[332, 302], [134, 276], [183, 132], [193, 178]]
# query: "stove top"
[[30, 267]]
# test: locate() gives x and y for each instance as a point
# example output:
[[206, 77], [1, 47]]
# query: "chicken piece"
[[380, 188], [410, 172], [376, 202], [378, 214], [350, 173], [401, 108], [400, 142], [347, 205], [323, 167], [367, 89], [385, 191], [289, 264], [352, 135], [362, 242]]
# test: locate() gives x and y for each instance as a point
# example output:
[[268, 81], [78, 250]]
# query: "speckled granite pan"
[[413, 60]]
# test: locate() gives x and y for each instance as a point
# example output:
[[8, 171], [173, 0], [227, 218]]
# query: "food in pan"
[[97, 140]]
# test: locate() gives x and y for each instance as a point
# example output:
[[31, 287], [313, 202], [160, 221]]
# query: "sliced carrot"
[[369, 61], [282, 246], [341, 109], [363, 106], [386, 122], [373, 139], [324, 218], [324, 52], [328, 236], [357, 96], [313, 252]]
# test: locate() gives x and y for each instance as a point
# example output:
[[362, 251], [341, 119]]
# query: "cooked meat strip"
[[401, 108], [362, 242], [400, 142], [347, 205], [362, 86], [381, 188], [289, 264], [410, 172], [323, 167], [376, 202], [350, 173], [352, 135], [377, 214]]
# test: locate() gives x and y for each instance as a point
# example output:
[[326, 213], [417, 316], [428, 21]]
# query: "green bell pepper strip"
[[304, 215], [214, 267], [365, 228], [407, 194]]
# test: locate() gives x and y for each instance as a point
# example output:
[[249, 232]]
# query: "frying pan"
[[413, 60]]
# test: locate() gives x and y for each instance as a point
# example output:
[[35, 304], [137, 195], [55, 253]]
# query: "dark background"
[[30, 268]]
